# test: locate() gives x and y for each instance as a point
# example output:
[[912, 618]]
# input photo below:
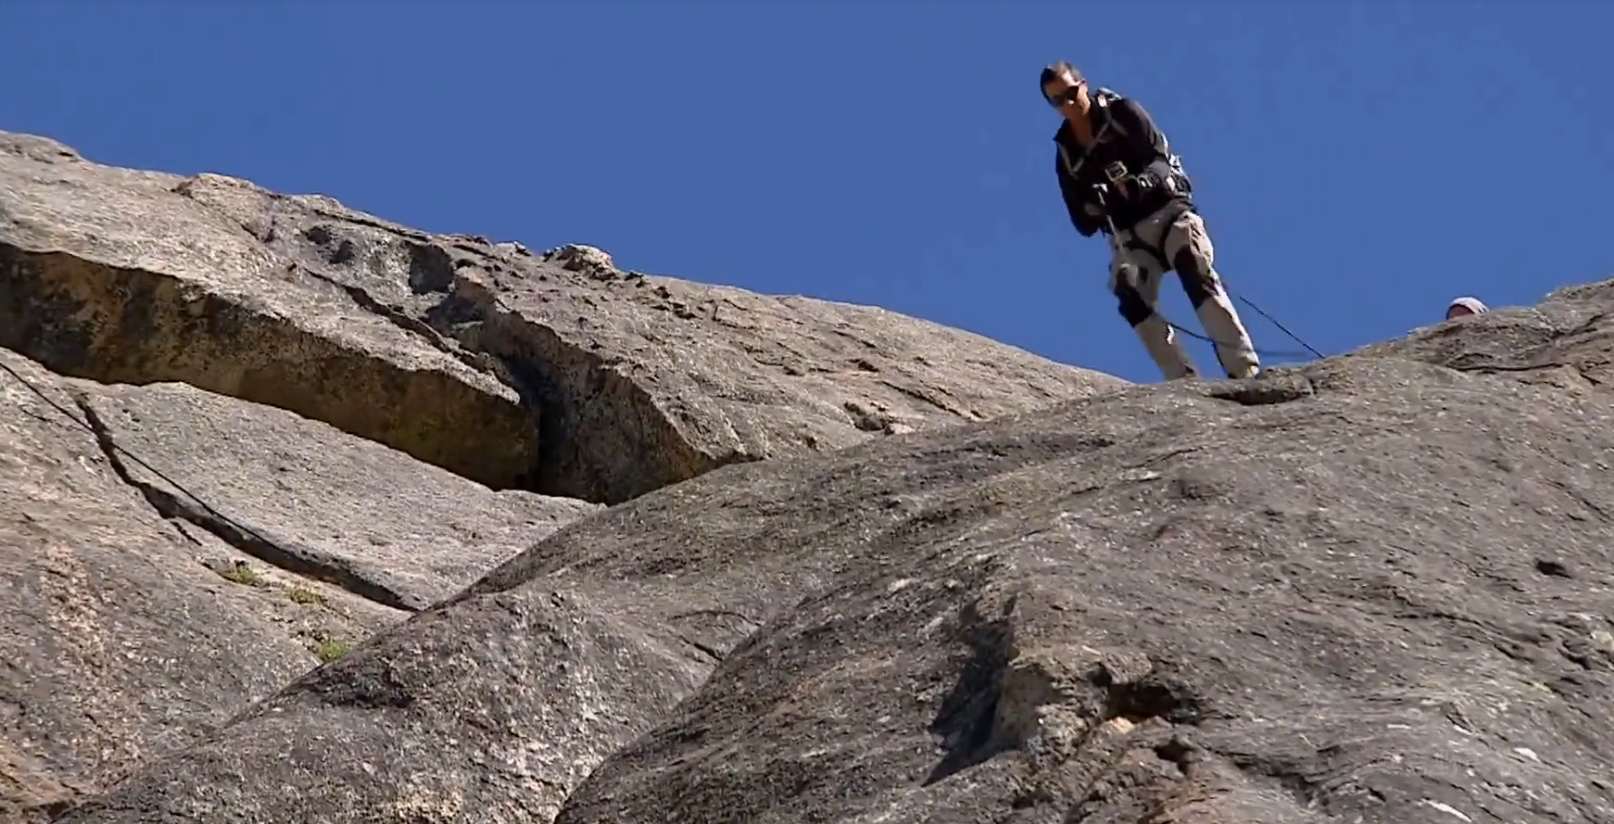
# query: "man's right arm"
[[1072, 195]]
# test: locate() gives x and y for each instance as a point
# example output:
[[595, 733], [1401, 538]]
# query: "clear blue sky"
[[1359, 164]]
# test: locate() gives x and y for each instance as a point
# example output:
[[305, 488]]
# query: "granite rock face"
[[1376, 588], [1371, 589]]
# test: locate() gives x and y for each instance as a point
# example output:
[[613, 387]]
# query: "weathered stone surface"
[[556, 372], [308, 498], [125, 634], [1373, 589], [489, 713]]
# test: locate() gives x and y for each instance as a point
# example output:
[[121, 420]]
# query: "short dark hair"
[[1057, 69]]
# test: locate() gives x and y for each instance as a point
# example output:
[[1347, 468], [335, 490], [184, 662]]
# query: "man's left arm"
[[1147, 141]]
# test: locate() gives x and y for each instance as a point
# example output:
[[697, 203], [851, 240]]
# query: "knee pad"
[[1197, 280], [1132, 307]]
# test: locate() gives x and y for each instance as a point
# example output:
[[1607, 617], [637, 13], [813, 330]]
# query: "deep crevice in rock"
[[286, 555], [601, 437], [545, 401]]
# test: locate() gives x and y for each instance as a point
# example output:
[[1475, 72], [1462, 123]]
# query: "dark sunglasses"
[[1067, 96]]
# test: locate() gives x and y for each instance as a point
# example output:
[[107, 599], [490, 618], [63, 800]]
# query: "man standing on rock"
[[1113, 162]]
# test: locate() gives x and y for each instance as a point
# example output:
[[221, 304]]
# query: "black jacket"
[[1126, 134]]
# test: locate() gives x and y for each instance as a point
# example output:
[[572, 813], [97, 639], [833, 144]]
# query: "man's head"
[[1464, 306], [1065, 89]]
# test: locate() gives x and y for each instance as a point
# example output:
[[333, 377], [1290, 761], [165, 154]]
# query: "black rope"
[[131, 456], [1274, 321], [1264, 353]]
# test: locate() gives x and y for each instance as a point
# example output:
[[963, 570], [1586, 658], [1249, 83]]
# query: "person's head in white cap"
[[1464, 306]]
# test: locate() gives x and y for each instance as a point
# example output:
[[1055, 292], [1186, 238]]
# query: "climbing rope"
[[1265, 353], [136, 459]]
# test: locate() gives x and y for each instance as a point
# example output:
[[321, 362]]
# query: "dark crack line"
[[706, 649], [348, 216], [1488, 369], [1581, 499], [1505, 367], [714, 613], [920, 395], [179, 526], [290, 556], [392, 314], [485, 362], [1165, 456]]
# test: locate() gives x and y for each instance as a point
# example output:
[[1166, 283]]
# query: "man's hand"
[[1101, 195], [1097, 207]]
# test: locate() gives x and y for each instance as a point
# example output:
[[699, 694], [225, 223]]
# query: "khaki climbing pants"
[[1165, 242]]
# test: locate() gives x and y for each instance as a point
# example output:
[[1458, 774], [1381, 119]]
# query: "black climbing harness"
[[1126, 281]]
